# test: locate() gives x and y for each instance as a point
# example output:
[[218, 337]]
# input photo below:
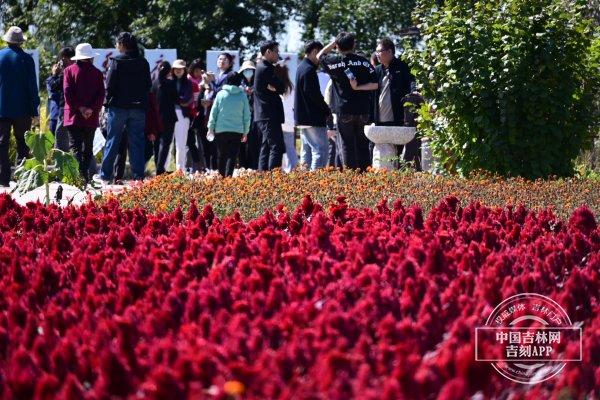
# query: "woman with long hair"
[[183, 112], [289, 135], [165, 91], [195, 72]]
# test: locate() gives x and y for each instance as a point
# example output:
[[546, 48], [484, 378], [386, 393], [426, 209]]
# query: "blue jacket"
[[18, 87], [230, 111]]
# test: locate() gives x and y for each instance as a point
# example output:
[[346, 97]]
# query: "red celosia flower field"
[[321, 303]]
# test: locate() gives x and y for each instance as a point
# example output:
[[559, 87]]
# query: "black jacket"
[[310, 108], [166, 97], [347, 100], [400, 85], [267, 103], [128, 81]]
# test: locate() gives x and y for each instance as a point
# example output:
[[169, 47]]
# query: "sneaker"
[[97, 179]]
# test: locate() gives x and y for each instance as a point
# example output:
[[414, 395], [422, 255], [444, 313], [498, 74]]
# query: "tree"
[[515, 82], [190, 26], [368, 19]]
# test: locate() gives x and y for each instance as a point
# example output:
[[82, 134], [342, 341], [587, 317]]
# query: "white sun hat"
[[84, 51]]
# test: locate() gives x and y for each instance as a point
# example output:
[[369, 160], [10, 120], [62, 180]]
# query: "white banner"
[[213, 55], [154, 57], [35, 54]]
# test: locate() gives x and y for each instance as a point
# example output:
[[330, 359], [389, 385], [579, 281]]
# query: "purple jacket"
[[84, 87]]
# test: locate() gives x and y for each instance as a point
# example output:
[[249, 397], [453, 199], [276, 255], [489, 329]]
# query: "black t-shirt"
[[346, 99]]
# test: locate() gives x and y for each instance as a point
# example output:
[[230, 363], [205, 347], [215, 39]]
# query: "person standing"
[[229, 122], [19, 98], [310, 110], [194, 141], [395, 81], [182, 110], [56, 98], [250, 150], [84, 94], [166, 95], [289, 129], [353, 79], [268, 107], [224, 66], [128, 85]]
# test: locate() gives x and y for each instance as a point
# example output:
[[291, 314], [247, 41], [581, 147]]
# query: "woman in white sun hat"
[[84, 94]]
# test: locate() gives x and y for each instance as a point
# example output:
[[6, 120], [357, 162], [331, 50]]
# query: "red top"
[[84, 87], [154, 125], [195, 93]]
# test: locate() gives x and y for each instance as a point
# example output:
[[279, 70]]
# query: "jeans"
[[20, 126], [165, 140], [289, 139], [354, 143], [61, 134], [228, 146], [315, 146], [273, 145], [81, 141], [182, 126], [134, 121]]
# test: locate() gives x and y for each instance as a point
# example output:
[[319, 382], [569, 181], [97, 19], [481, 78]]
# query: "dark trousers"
[[210, 150], [195, 145], [81, 142], [272, 147], [354, 143], [20, 126], [150, 149], [228, 147], [250, 151], [164, 144], [412, 153], [53, 125]]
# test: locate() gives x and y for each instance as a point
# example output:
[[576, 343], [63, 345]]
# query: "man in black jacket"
[[310, 110], [353, 80], [128, 85], [395, 82], [268, 107]]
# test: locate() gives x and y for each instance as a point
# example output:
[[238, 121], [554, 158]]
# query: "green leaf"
[[67, 166], [40, 144], [27, 180]]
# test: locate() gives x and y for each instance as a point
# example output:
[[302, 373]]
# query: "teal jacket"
[[230, 111]]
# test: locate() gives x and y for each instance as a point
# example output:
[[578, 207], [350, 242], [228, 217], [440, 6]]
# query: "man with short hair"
[[353, 80], [395, 82], [19, 99], [310, 110], [268, 107]]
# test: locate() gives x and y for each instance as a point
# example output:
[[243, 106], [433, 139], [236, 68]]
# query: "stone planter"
[[386, 138]]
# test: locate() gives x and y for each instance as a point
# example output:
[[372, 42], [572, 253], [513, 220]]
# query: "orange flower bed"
[[252, 194]]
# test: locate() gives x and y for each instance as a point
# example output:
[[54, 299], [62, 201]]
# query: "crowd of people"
[[217, 120]]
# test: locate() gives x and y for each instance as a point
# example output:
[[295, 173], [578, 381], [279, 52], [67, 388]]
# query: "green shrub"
[[515, 83]]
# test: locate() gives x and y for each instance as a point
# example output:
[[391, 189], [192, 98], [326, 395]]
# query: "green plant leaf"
[[40, 144], [67, 166], [27, 180]]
